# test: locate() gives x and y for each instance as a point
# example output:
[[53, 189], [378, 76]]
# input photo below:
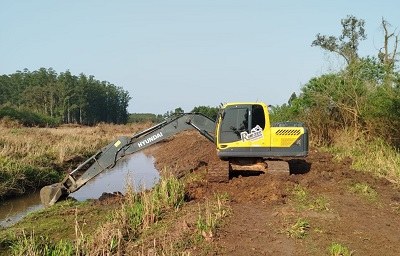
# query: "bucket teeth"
[[49, 195]]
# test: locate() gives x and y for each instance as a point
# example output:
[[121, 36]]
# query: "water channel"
[[136, 170]]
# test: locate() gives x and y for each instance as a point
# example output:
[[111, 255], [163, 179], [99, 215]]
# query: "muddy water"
[[14, 210], [137, 171]]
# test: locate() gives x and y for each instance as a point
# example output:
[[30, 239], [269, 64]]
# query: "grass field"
[[33, 157]]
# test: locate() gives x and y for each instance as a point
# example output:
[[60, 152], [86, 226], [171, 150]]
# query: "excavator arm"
[[107, 157]]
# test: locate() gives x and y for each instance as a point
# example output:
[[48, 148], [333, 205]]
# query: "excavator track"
[[218, 172], [278, 167], [268, 166]]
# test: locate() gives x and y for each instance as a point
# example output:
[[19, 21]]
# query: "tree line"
[[363, 96], [210, 112], [64, 97]]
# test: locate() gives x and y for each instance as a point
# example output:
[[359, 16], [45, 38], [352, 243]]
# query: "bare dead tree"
[[388, 56]]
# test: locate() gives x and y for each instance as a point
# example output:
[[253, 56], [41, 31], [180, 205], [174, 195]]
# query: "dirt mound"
[[185, 152], [265, 207]]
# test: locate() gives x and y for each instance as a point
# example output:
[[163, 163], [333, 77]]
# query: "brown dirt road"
[[265, 208]]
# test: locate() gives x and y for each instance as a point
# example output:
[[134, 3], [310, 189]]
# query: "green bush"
[[210, 112], [28, 118], [144, 117]]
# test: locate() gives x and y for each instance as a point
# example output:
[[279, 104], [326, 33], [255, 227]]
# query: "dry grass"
[[211, 215], [373, 155], [138, 212], [59, 144], [27, 153]]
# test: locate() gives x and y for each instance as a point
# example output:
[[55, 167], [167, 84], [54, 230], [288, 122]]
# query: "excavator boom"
[[107, 157]]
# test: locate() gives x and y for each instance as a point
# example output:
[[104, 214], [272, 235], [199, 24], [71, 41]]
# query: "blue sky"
[[185, 53]]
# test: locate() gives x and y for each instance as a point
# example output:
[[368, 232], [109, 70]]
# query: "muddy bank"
[[264, 207], [134, 172]]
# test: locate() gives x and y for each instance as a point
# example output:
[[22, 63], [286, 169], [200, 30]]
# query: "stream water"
[[136, 170]]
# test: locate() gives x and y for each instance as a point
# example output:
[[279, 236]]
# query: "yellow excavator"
[[242, 133]]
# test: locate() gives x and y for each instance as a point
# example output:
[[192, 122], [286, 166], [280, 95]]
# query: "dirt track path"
[[265, 207], [249, 232]]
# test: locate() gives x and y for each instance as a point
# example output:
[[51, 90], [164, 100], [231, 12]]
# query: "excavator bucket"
[[49, 195]]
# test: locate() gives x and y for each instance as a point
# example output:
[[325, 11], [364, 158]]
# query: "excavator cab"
[[237, 121], [243, 130]]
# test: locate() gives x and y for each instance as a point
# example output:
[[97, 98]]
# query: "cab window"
[[234, 121], [257, 116]]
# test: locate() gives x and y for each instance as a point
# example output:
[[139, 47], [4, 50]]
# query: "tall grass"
[[17, 178], [143, 209], [373, 155], [138, 212], [33, 157], [211, 215], [33, 245]]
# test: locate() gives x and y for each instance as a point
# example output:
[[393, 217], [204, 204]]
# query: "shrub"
[[28, 118]]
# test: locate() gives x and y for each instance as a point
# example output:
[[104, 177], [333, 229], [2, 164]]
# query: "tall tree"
[[346, 45], [6, 89], [69, 98]]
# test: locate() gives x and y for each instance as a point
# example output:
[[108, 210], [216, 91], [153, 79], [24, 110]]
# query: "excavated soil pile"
[[184, 153], [266, 207]]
